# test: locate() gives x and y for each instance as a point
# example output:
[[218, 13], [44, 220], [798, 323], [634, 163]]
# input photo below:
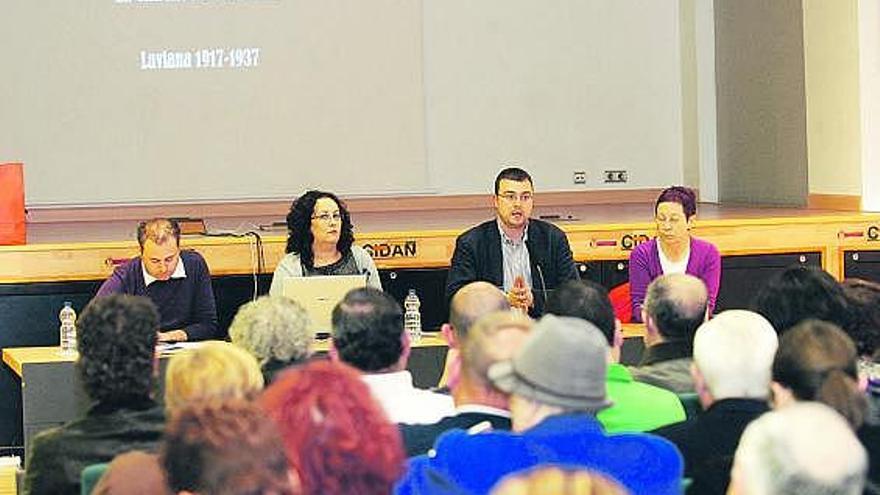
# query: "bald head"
[[805, 448], [677, 305], [473, 301], [495, 337]]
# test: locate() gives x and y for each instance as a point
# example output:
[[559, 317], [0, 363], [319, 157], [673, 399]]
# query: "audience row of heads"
[[556, 365], [316, 429]]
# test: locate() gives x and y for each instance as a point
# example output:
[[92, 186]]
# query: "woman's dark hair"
[[299, 226], [816, 360], [117, 340], [684, 196], [864, 326], [799, 293]]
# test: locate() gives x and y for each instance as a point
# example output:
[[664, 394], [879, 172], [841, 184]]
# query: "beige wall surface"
[[831, 65]]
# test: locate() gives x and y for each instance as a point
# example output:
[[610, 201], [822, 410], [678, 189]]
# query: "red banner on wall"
[[13, 229]]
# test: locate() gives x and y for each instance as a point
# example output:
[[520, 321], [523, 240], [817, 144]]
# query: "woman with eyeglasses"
[[674, 250], [320, 241]]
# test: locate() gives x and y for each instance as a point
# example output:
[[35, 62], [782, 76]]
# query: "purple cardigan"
[[183, 303], [644, 266]]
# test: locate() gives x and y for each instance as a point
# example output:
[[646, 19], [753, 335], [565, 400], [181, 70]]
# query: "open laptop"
[[319, 295]]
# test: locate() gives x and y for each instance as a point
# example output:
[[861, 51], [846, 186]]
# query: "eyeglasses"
[[512, 196], [326, 217]]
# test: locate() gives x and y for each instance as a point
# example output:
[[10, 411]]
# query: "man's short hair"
[[273, 328], [677, 304], [158, 230], [117, 340], [515, 174], [801, 449], [585, 300], [483, 346], [800, 293], [367, 329], [472, 302], [226, 447], [734, 353]]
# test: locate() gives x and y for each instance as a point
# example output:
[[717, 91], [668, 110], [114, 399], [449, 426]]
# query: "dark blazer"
[[478, 256], [418, 439], [57, 457], [708, 441]]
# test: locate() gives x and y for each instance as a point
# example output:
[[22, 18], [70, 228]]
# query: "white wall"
[[869, 90], [358, 96], [831, 79], [554, 87]]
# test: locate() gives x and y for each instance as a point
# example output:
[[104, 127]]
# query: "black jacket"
[[418, 439], [708, 441], [56, 457], [478, 256]]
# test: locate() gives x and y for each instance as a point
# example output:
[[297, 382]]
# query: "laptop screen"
[[320, 294]]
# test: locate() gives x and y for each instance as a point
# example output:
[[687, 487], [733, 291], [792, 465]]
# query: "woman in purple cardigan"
[[673, 250]]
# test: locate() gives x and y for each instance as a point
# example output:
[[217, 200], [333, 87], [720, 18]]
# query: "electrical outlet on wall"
[[616, 176], [580, 177]]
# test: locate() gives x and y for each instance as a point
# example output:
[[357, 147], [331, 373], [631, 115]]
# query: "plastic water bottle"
[[68, 328], [412, 318]]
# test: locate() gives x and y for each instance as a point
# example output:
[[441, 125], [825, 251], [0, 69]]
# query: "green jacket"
[[637, 406]]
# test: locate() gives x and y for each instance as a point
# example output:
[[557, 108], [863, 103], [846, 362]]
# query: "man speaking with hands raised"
[[523, 256]]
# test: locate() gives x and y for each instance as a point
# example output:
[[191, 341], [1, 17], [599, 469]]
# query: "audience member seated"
[[800, 293], [557, 384], [117, 340], [675, 305], [674, 250], [275, 330], [336, 436], [546, 480], [368, 334], [477, 299], [817, 361], [733, 353], [320, 241], [178, 282], [211, 372], [800, 450], [494, 338], [225, 448], [637, 406], [133, 472], [863, 297]]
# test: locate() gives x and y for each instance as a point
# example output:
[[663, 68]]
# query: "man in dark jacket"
[[117, 339], [733, 354], [525, 257]]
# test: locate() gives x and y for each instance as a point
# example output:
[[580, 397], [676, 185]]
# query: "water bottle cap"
[[412, 291], [68, 304]]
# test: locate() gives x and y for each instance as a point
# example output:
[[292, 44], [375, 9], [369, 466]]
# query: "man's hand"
[[520, 295], [173, 336]]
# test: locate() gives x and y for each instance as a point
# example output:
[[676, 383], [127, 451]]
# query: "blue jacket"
[[473, 464]]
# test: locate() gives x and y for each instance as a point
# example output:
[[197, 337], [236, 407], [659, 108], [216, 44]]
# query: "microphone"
[[543, 284], [366, 273]]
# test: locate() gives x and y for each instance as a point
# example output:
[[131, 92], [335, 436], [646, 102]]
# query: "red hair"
[[337, 437]]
